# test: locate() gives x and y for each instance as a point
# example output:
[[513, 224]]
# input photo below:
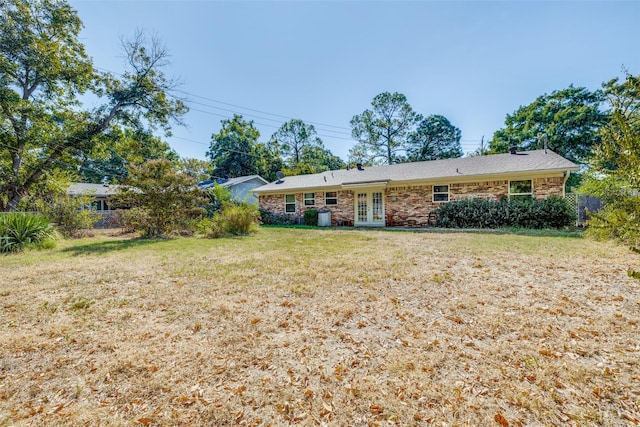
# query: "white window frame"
[[520, 195], [334, 198], [309, 201], [287, 203], [440, 193]]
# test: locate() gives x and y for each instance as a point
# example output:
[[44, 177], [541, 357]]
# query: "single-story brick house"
[[241, 187], [407, 194]]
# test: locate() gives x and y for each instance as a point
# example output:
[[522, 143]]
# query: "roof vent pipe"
[[359, 166], [513, 150]]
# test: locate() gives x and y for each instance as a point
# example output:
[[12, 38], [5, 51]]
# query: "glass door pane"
[[362, 207], [378, 209]]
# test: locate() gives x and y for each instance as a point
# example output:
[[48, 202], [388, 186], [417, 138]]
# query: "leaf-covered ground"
[[321, 327]]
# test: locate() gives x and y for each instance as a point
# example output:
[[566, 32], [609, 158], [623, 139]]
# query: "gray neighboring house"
[[99, 192], [241, 187]]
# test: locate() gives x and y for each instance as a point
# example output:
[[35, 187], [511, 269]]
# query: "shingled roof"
[[96, 190], [434, 170]]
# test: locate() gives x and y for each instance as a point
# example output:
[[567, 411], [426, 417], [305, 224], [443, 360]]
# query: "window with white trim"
[[331, 198], [309, 199], [440, 193], [521, 190], [290, 203]]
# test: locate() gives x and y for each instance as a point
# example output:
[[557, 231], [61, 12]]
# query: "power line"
[[349, 138], [259, 111], [268, 125]]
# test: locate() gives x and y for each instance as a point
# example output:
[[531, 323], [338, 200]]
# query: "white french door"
[[369, 209]]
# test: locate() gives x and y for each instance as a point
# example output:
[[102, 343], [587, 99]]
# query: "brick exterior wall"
[[411, 205], [341, 214], [545, 187]]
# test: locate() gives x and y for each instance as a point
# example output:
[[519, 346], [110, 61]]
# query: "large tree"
[[198, 169], [382, 131], [43, 71], [294, 137], [614, 175], [567, 120], [123, 147], [232, 150], [315, 160], [268, 161], [435, 138]]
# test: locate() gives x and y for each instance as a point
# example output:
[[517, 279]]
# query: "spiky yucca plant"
[[19, 230]]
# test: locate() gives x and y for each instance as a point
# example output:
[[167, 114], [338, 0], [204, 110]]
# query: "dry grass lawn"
[[321, 327]]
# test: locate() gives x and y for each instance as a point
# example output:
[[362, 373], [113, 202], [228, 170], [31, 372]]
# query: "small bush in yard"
[[311, 217], [162, 201], [19, 230], [70, 214], [235, 219], [552, 212]]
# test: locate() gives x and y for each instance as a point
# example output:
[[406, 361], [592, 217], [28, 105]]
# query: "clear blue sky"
[[323, 62]]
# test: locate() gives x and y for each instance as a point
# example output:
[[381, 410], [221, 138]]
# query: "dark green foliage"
[[311, 217], [162, 201], [294, 137], [570, 120], [552, 212], [235, 151], [124, 147], [382, 131], [219, 196], [44, 71], [434, 138], [19, 230], [273, 218]]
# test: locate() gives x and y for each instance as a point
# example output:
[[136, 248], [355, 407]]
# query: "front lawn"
[[321, 327]]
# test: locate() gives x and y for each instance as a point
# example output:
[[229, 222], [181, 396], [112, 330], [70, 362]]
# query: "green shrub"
[[134, 219], [19, 230], [70, 214], [235, 219], [552, 212], [162, 201], [619, 221], [274, 218], [211, 227], [311, 217], [240, 219], [219, 196]]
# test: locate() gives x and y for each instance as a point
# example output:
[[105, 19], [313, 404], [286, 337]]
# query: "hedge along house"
[[408, 194]]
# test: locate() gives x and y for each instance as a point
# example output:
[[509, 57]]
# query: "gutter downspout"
[[564, 183]]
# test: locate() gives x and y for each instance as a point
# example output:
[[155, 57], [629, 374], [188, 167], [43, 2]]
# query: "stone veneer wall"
[[411, 205]]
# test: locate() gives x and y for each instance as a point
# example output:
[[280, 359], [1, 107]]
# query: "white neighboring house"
[[241, 187]]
